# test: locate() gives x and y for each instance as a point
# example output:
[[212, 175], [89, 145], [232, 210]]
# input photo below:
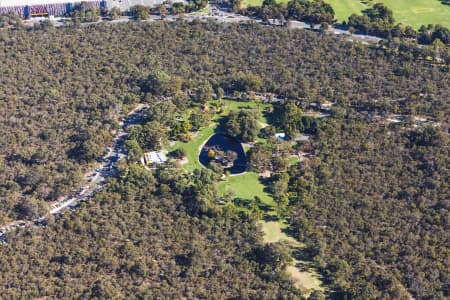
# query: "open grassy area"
[[304, 275], [227, 105], [192, 147], [407, 12], [246, 186], [273, 232], [202, 11]]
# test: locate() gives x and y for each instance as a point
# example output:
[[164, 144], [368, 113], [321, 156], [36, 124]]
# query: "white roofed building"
[[44, 8], [153, 157]]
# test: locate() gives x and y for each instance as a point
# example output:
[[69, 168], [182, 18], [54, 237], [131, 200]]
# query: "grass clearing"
[[407, 12], [305, 277], [192, 147], [228, 105], [273, 232], [200, 12], [246, 186]]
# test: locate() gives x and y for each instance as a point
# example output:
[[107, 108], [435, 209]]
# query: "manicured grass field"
[[407, 12], [246, 186]]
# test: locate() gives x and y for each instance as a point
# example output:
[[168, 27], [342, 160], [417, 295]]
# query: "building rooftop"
[[153, 158], [281, 136], [12, 3]]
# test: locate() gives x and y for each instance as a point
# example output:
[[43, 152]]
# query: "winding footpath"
[[96, 178]]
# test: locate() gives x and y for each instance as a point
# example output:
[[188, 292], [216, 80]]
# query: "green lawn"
[[228, 104], [202, 11], [192, 147], [273, 233], [246, 186], [407, 12]]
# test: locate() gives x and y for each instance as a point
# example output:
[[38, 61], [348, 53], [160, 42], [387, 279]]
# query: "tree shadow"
[[242, 202], [370, 12], [445, 2], [245, 107], [220, 128], [265, 208], [288, 231], [271, 218], [267, 115], [266, 184]]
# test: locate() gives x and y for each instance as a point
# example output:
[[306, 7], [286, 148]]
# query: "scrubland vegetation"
[[371, 203]]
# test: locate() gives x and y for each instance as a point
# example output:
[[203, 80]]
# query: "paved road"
[[95, 178], [219, 15]]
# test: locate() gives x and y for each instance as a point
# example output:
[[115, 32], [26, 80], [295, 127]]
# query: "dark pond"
[[225, 143]]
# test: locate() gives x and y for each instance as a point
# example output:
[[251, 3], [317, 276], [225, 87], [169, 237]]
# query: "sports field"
[[407, 12]]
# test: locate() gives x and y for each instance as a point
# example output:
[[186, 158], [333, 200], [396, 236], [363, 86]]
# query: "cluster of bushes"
[[84, 13], [10, 19], [243, 125]]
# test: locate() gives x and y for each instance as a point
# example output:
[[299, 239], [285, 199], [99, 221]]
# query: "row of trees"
[[314, 11], [83, 13], [141, 12]]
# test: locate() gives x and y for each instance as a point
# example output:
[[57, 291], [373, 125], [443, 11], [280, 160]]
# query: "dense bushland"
[[373, 208], [142, 238], [375, 187]]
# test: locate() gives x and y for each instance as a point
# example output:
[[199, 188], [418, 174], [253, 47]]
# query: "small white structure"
[[153, 157], [301, 138], [281, 136]]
